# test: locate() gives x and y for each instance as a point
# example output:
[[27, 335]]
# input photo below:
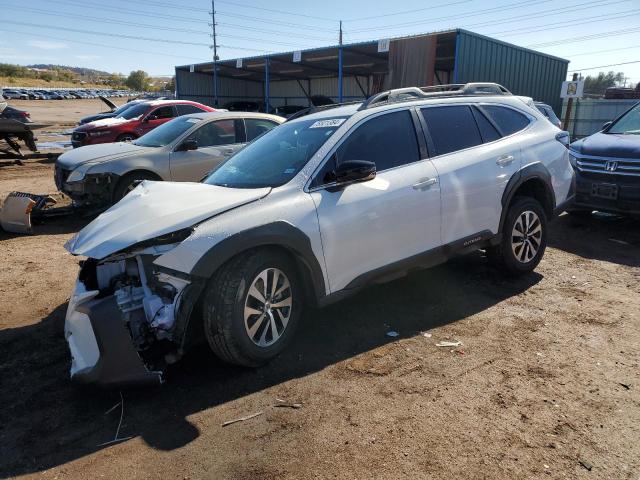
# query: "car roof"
[[223, 115], [170, 102], [352, 109]]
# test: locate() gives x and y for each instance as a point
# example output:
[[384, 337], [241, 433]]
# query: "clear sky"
[[156, 35]]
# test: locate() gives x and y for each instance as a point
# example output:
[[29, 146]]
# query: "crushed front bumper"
[[102, 352]]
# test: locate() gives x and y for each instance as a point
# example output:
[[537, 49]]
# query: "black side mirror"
[[354, 171], [189, 144], [606, 125]]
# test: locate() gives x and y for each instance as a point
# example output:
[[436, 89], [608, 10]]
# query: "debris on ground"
[[426, 335], [448, 343], [392, 333], [625, 385], [586, 464], [116, 438], [621, 242], [283, 404], [241, 419]]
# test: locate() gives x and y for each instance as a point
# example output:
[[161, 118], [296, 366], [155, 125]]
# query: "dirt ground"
[[546, 384]]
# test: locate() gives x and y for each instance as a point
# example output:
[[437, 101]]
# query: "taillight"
[[563, 138]]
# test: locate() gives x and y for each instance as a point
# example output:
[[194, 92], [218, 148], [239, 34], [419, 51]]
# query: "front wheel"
[[252, 306], [128, 182], [524, 238], [126, 137]]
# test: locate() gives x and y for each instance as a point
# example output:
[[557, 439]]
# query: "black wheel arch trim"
[[278, 234], [535, 171]]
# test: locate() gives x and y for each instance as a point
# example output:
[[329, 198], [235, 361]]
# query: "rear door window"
[[162, 112], [257, 126], [487, 130], [220, 132], [452, 128], [507, 119], [186, 109], [389, 140]]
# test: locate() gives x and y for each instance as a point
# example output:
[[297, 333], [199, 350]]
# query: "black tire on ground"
[[126, 137], [128, 183], [520, 254], [225, 305]]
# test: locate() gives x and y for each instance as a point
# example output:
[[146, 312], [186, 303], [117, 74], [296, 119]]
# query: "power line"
[[126, 49], [106, 20], [590, 52], [474, 13], [564, 24], [605, 66], [544, 13], [116, 35], [586, 37], [82, 4], [405, 12]]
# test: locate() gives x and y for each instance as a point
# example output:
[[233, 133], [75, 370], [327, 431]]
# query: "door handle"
[[425, 183], [505, 160]]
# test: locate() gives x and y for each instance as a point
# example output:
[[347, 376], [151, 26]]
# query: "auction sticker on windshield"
[[333, 122]]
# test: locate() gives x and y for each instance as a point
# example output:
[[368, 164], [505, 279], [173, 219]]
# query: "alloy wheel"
[[526, 236], [268, 307]]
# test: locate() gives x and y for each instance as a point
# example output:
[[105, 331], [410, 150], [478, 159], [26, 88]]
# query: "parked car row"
[[62, 94], [311, 211]]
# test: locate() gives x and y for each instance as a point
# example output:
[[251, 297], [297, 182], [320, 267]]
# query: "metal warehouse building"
[[356, 71]]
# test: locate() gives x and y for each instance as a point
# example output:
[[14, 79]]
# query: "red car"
[[134, 122]]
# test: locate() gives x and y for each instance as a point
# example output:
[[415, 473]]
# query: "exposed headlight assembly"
[[79, 173]]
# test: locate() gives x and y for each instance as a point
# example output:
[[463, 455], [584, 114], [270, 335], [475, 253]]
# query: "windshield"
[[276, 157], [134, 112], [167, 132], [628, 124]]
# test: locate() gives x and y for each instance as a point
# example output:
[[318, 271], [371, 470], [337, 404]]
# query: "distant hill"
[[76, 70]]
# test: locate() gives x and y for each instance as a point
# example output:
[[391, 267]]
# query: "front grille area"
[[609, 165]]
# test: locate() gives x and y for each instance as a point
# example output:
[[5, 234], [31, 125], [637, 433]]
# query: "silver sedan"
[[182, 150]]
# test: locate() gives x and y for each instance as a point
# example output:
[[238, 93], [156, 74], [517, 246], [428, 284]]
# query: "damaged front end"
[[127, 319]]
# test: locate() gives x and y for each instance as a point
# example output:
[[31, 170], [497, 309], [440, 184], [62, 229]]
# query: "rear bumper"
[[102, 352], [628, 197]]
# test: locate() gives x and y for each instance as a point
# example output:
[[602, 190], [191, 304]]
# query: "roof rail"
[[440, 91], [320, 108]]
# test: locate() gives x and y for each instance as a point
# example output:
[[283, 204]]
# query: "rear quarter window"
[[507, 119]]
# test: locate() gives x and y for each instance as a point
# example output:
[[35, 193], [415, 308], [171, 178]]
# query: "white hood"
[[154, 209], [105, 122]]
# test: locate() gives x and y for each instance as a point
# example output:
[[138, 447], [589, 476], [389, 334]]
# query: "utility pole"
[[567, 113], [215, 54], [340, 65]]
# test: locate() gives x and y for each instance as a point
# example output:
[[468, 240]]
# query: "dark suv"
[[607, 167]]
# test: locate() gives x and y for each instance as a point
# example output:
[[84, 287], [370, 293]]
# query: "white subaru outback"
[[323, 205]]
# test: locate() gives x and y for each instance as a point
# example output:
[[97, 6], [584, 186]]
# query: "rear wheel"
[[524, 237], [128, 182], [252, 306]]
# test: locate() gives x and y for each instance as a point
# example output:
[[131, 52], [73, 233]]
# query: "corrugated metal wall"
[[199, 88], [524, 72], [588, 115]]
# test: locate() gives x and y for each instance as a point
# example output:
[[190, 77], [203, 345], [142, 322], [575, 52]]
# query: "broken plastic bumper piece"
[[102, 352]]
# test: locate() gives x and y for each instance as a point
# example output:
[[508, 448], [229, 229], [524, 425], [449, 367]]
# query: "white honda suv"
[[312, 211]]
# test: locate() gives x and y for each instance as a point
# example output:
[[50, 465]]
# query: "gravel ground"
[[545, 385]]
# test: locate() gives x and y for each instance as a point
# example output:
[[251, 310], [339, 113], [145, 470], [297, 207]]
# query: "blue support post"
[[340, 74], [266, 84]]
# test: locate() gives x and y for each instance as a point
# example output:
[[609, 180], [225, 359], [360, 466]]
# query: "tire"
[[126, 137], [235, 327], [128, 183], [516, 257]]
